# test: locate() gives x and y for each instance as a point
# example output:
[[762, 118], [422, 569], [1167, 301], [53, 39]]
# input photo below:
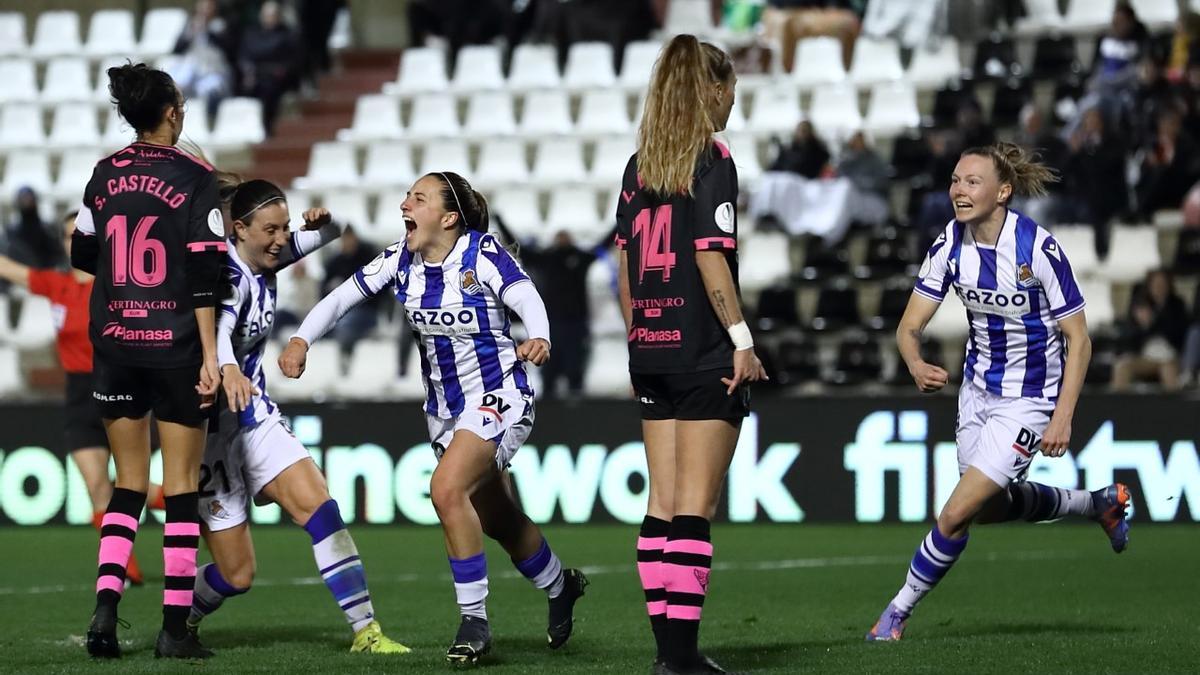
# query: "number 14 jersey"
[[675, 329]]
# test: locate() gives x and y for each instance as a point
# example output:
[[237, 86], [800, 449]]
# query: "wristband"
[[740, 334]]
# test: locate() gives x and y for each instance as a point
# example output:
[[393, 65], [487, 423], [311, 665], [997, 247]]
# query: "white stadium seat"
[[74, 171], [1098, 296], [349, 206], [534, 67], [892, 110], [490, 113], [389, 164], [502, 162], [21, 126], [638, 63], [25, 168], [10, 372], [835, 113], [161, 28], [1041, 17], [689, 16], [422, 70], [546, 113], [100, 93], [12, 34], [875, 61], [589, 66], [66, 79], [110, 32], [374, 364], [446, 155], [607, 373], [574, 209], [1156, 14], [74, 126], [603, 112], [818, 61], [737, 115], [389, 217], [118, 133], [609, 160], [1079, 243], [20, 80], [331, 164], [195, 122], [1132, 251], [776, 110], [56, 34], [1088, 17], [769, 251], [35, 327], [744, 150], [239, 122], [935, 68], [477, 67], [323, 369], [376, 117], [434, 116], [558, 161], [519, 209]]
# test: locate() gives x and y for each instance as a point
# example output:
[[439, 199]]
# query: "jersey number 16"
[[144, 259]]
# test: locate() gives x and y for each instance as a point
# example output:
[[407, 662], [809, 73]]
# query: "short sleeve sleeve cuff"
[[930, 293]]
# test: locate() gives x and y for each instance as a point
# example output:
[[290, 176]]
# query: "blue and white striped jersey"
[[248, 313], [1015, 294], [456, 309]]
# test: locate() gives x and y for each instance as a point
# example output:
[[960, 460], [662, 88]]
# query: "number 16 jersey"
[[675, 329]]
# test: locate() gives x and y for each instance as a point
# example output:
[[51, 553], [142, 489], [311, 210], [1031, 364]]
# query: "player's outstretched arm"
[[920, 310], [320, 320], [718, 284], [13, 271], [1079, 354]]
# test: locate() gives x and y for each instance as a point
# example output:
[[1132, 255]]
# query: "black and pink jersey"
[[151, 231], [675, 329]]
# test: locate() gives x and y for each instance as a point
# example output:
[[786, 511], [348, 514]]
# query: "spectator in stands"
[[361, 320], [269, 61], [617, 22], [805, 155], [204, 47], [1037, 136], [1153, 334], [1190, 363], [316, 24], [1095, 189], [935, 209], [1170, 165], [27, 239], [871, 178], [788, 21], [1151, 95], [1185, 42], [1115, 69], [458, 22], [973, 131]]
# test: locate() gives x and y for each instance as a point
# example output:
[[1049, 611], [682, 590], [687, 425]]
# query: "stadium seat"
[[1008, 101], [910, 155], [56, 34], [389, 217], [1105, 350], [574, 209], [948, 101], [422, 71], [1187, 253], [35, 325], [765, 260], [118, 133], [823, 260], [6, 324], [74, 125], [603, 112], [239, 122], [737, 115], [689, 16], [447, 155], [875, 61], [996, 59], [834, 113], [374, 364], [546, 113], [161, 28], [477, 68], [1079, 243], [1098, 296], [501, 162], [889, 252], [589, 66], [637, 65], [892, 110], [331, 164], [744, 149], [434, 116], [519, 209], [10, 372], [1132, 251], [1041, 17], [376, 118], [350, 207], [776, 111], [21, 126], [796, 360], [12, 34], [892, 303], [322, 371], [609, 160], [100, 93], [490, 114], [1158, 15], [1088, 17], [818, 61], [607, 373], [558, 161], [949, 322], [74, 171], [534, 67], [388, 164], [195, 122], [110, 32], [837, 306], [859, 360], [66, 79], [1054, 56], [20, 81], [935, 68]]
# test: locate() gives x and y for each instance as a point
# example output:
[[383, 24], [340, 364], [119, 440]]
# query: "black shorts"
[[83, 428], [126, 391], [690, 396]]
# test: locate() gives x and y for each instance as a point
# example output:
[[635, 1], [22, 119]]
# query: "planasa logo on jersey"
[[988, 301], [443, 321], [469, 284], [118, 332], [656, 337]]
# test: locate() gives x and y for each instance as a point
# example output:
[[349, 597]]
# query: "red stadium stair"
[[284, 156]]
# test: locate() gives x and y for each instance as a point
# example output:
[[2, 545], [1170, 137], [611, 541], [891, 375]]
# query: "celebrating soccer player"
[[253, 453], [151, 232], [1021, 380], [691, 354], [455, 283]]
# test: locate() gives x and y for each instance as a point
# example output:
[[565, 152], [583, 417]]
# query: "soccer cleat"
[[1111, 505], [371, 640], [889, 627], [186, 647], [474, 639], [561, 620], [102, 633], [702, 666]]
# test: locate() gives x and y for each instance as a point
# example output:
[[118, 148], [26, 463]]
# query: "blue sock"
[[471, 585], [210, 591], [544, 569], [932, 560], [339, 564]]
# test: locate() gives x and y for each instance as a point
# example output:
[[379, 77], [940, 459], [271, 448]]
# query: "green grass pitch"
[[784, 599]]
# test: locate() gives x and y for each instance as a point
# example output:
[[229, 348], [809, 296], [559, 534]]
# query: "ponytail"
[[459, 197], [677, 124], [1019, 168]]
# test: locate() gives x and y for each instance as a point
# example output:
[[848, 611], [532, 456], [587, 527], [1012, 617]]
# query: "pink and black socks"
[[651, 540], [118, 529], [687, 560], [181, 538]]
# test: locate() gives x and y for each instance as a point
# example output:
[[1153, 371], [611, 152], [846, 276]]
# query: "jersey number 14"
[[654, 241]]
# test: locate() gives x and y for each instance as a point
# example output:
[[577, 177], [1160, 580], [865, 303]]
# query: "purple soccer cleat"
[[1112, 505], [889, 627]]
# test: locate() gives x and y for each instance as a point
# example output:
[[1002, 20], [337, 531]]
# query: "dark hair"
[[142, 94], [459, 197], [251, 196]]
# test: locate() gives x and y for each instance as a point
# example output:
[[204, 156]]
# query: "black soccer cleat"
[[561, 619], [102, 633], [701, 666], [474, 639], [186, 647]]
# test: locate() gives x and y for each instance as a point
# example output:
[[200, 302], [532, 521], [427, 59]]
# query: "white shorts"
[[504, 416], [238, 463], [999, 435]]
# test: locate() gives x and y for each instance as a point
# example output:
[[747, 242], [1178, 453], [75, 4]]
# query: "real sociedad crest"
[[469, 283]]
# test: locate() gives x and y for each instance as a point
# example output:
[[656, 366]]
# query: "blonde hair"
[[677, 124], [1019, 168]]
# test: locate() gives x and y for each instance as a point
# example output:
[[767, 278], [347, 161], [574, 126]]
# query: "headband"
[[268, 200], [456, 201]]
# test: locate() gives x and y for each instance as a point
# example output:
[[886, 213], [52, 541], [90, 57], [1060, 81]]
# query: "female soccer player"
[[253, 453], [82, 431], [151, 231], [455, 283], [1020, 381], [691, 354]]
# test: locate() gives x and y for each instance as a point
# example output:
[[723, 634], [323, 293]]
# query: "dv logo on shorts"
[[1026, 442], [495, 406]]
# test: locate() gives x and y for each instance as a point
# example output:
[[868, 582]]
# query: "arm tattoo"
[[722, 311]]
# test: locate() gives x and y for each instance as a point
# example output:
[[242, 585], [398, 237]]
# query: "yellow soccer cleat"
[[371, 640]]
